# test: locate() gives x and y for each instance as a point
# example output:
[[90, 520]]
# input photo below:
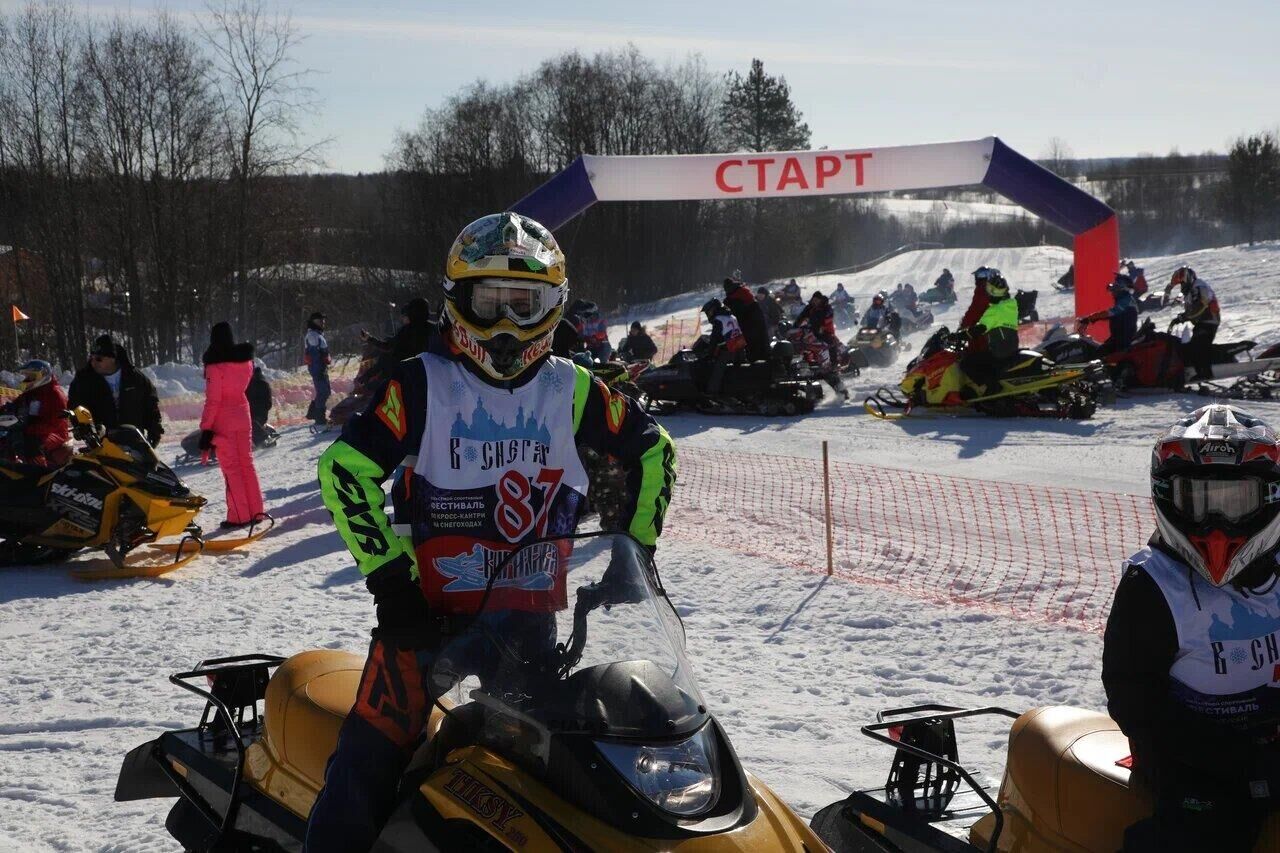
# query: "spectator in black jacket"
[[637, 345], [739, 299], [116, 392], [414, 335]]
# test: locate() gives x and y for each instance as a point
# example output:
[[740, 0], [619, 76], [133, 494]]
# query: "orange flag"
[[17, 313]]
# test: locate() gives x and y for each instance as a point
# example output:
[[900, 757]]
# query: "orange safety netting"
[[1037, 552]]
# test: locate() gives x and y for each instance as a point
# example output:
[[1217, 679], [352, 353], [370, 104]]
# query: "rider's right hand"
[[404, 618]]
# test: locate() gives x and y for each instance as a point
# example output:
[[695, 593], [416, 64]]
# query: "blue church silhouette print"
[[1245, 625], [484, 428]]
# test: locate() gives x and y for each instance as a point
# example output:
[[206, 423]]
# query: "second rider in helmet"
[[1191, 657], [488, 424]]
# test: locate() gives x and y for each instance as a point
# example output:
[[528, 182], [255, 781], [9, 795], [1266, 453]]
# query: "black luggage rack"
[[235, 686]]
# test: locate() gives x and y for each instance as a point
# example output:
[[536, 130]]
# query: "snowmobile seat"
[[1026, 361], [20, 483], [306, 701], [1063, 788], [1223, 353]]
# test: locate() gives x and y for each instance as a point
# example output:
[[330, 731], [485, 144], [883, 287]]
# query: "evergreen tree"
[[1251, 193], [758, 114]]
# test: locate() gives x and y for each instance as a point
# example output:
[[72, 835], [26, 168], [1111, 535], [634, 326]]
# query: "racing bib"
[[1228, 661], [495, 468]]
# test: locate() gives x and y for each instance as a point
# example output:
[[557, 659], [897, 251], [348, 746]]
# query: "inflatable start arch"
[[987, 162]]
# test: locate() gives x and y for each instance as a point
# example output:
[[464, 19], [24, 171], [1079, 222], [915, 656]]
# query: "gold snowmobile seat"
[[1063, 790], [306, 701]]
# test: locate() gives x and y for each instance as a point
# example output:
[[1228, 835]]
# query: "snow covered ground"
[[790, 661]]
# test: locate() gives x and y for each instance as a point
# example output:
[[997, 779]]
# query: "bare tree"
[[265, 96], [1059, 158]]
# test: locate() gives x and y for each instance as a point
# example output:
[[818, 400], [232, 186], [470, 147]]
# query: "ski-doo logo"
[[1217, 449], [487, 803], [64, 491]]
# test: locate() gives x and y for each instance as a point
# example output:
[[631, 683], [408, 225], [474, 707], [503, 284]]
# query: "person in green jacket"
[[487, 425], [993, 340]]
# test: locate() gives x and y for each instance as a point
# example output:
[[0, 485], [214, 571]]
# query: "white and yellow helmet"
[[505, 290]]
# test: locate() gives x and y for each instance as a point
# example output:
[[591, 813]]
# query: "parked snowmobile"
[[1258, 386], [115, 494], [265, 437], [1066, 787], [915, 321], [773, 387], [597, 739], [1155, 358], [873, 348], [1033, 385]]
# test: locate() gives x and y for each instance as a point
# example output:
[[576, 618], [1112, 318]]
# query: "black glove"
[[404, 618], [206, 439]]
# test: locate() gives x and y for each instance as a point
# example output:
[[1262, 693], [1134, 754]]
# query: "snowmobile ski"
[[186, 549], [221, 545], [1233, 369]]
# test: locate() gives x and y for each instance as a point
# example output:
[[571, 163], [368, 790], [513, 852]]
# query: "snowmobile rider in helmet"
[[488, 419], [1200, 309], [1191, 655], [1122, 316], [993, 339], [877, 316], [42, 433], [726, 344]]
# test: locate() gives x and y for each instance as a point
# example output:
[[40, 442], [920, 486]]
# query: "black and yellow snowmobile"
[[593, 736], [1031, 385], [113, 494], [1066, 789]]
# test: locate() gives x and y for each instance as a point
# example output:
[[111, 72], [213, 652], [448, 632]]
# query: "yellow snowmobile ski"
[[222, 545], [185, 550]]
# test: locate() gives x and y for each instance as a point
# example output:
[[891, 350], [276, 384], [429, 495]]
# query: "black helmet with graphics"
[[1215, 483], [505, 288]]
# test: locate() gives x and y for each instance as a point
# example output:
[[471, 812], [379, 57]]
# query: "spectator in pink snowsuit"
[[226, 424]]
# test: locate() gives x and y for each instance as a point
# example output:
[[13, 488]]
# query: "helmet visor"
[[520, 300], [1233, 500]]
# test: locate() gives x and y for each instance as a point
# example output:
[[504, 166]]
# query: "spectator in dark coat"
[[771, 309], [741, 302], [116, 392], [413, 337], [637, 345]]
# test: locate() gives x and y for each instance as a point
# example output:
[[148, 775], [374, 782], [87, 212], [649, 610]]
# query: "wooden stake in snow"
[[826, 503]]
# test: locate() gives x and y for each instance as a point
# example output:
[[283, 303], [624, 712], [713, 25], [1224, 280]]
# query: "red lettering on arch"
[[857, 165], [1275, 673], [760, 163], [723, 184], [828, 167], [792, 174]]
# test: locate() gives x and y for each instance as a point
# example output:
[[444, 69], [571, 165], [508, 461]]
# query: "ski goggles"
[[986, 274], [1235, 500], [520, 300]]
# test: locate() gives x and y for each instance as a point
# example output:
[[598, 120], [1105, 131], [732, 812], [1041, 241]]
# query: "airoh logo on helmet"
[[1217, 448]]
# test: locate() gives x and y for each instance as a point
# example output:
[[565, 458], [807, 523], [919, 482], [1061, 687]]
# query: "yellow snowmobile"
[[592, 736], [1066, 789], [114, 494], [1032, 385]]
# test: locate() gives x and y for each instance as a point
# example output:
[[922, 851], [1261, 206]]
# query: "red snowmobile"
[[1155, 360]]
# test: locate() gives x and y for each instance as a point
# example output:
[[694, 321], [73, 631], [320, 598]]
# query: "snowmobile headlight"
[[681, 778]]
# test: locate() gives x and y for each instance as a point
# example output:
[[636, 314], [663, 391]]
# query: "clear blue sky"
[[1111, 77]]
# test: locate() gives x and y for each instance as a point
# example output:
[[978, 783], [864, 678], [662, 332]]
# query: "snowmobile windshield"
[[573, 636]]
